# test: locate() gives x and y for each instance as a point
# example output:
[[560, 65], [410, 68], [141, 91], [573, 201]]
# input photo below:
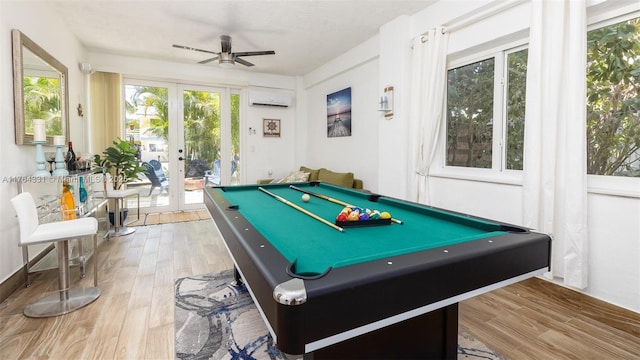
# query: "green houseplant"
[[120, 161]]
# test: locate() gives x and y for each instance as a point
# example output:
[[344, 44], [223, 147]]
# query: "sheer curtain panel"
[[554, 186], [429, 73]]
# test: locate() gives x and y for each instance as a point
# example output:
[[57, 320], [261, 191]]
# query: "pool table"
[[369, 291]]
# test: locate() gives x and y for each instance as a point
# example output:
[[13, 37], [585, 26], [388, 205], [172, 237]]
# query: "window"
[[470, 114], [485, 112], [613, 99], [516, 93]]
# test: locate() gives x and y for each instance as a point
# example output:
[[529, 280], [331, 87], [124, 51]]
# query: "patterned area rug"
[[214, 320]]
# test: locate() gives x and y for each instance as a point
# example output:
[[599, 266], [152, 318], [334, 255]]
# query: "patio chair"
[[156, 175], [213, 177]]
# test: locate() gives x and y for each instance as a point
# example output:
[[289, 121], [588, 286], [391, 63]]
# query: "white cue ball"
[[306, 197]]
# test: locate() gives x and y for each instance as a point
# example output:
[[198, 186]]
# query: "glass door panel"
[[201, 121], [147, 126], [235, 139]]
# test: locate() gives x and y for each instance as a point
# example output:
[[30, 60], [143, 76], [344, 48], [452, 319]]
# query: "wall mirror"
[[40, 90]]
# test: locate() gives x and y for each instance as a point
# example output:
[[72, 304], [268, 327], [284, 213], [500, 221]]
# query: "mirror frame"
[[21, 41]]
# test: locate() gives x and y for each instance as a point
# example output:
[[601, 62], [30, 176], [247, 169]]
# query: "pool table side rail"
[[411, 282]]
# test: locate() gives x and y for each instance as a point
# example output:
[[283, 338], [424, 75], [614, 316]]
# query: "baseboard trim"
[[16, 280]]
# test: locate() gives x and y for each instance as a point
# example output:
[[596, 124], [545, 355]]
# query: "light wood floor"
[[133, 318]]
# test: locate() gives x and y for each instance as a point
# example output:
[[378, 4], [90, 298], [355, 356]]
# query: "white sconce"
[[386, 102]]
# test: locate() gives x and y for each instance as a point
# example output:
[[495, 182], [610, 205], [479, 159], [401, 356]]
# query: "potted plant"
[[119, 160]]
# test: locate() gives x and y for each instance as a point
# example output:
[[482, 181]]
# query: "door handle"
[[180, 158]]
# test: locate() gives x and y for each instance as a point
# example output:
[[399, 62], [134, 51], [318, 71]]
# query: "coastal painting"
[[339, 113]]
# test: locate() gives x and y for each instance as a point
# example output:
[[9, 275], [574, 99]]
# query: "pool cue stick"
[[307, 212], [336, 201]]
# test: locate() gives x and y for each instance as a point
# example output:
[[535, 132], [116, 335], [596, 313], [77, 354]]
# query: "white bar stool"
[[32, 232]]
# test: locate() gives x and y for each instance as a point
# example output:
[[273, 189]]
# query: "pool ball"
[[306, 197]]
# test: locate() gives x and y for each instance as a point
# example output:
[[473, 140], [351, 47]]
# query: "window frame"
[[620, 186], [497, 173]]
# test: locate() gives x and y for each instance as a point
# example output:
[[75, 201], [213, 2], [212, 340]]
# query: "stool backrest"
[[98, 185], [101, 184], [27, 212]]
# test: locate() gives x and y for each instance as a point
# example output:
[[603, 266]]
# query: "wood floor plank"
[[112, 314], [131, 343], [147, 264], [160, 342], [99, 349], [162, 306], [13, 344], [164, 275], [141, 293]]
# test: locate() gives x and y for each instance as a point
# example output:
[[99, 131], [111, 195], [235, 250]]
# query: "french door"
[[186, 134]]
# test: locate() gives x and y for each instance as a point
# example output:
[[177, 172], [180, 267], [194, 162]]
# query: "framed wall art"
[[271, 127], [339, 113]]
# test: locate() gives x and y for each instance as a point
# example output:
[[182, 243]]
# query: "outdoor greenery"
[[201, 120], [42, 101], [201, 125], [613, 99], [470, 114], [516, 95]]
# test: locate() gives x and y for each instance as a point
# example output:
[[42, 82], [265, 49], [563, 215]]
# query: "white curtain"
[[429, 73], [555, 196]]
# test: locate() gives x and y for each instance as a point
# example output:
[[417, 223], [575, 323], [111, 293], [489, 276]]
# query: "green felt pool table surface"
[[316, 247]]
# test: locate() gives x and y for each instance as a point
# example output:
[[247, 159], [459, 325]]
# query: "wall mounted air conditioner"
[[269, 97]]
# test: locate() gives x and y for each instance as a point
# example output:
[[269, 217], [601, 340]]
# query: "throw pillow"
[[296, 176], [313, 174]]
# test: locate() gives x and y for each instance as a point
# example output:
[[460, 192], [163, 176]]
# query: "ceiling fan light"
[[226, 64], [226, 60]]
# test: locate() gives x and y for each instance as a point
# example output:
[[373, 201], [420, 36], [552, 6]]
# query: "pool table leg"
[[237, 279]]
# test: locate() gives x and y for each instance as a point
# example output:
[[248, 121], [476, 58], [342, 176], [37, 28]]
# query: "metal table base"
[[118, 229]]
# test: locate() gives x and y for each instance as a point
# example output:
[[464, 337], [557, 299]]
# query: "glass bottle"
[[70, 160], [82, 191], [67, 204]]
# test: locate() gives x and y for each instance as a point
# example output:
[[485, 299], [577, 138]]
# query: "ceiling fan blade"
[[194, 49], [254, 53], [225, 43], [208, 60], [243, 62]]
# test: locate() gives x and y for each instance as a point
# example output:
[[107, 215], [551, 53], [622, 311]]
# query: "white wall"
[[18, 160], [357, 153]]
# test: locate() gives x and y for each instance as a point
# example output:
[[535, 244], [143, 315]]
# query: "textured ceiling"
[[304, 33]]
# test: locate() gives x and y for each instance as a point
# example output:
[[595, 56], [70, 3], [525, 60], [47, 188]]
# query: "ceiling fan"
[[225, 57]]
